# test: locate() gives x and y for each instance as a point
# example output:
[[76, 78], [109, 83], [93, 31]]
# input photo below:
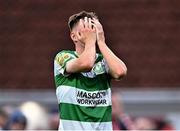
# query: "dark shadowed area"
[[144, 34]]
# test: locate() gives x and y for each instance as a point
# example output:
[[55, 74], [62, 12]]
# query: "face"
[[17, 126]]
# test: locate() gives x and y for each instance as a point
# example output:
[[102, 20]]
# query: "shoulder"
[[65, 53], [63, 56]]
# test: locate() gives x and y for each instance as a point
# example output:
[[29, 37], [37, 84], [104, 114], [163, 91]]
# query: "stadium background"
[[145, 34]]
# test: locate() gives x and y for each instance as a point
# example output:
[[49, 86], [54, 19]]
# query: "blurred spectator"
[[37, 116], [120, 120], [16, 121], [54, 120], [9, 109], [163, 125], [143, 123], [3, 119]]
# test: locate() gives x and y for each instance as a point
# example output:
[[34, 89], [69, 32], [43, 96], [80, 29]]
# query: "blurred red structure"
[[144, 33]]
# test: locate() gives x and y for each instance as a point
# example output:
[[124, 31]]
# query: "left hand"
[[99, 30]]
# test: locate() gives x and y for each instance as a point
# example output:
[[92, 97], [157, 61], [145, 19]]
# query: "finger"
[[96, 21], [93, 24], [94, 27], [98, 24], [89, 23], [81, 24], [93, 21], [85, 22]]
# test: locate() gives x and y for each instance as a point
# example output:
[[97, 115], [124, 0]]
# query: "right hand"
[[87, 32]]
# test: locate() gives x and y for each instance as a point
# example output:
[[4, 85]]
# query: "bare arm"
[[86, 60], [117, 68]]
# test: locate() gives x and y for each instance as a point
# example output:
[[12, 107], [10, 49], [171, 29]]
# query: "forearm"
[[116, 66], [88, 55], [84, 62]]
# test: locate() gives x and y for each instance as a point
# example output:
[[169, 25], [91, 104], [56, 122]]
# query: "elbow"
[[124, 71], [87, 65], [121, 72]]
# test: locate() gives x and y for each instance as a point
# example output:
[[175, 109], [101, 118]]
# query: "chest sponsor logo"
[[94, 98]]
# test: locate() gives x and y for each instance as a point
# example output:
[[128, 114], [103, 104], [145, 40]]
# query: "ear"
[[73, 36]]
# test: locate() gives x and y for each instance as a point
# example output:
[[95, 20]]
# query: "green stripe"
[[100, 82], [86, 114], [99, 58]]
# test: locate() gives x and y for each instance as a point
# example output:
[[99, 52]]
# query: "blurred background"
[[145, 34]]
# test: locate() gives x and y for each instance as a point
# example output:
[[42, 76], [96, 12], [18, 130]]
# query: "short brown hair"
[[76, 17]]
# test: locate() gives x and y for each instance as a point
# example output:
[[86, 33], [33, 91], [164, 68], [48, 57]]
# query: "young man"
[[83, 77]]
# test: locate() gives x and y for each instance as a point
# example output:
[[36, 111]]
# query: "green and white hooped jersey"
[[84, 98]]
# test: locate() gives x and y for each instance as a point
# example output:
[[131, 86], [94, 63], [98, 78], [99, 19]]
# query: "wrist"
[[101, 42], [101, 37]]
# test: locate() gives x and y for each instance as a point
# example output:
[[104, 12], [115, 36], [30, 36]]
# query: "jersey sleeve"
[[60, 62]]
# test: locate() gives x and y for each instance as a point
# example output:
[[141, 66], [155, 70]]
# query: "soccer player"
[[82, 77]]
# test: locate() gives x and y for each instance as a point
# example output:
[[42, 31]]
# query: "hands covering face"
[[86, 32], [90, 31]]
